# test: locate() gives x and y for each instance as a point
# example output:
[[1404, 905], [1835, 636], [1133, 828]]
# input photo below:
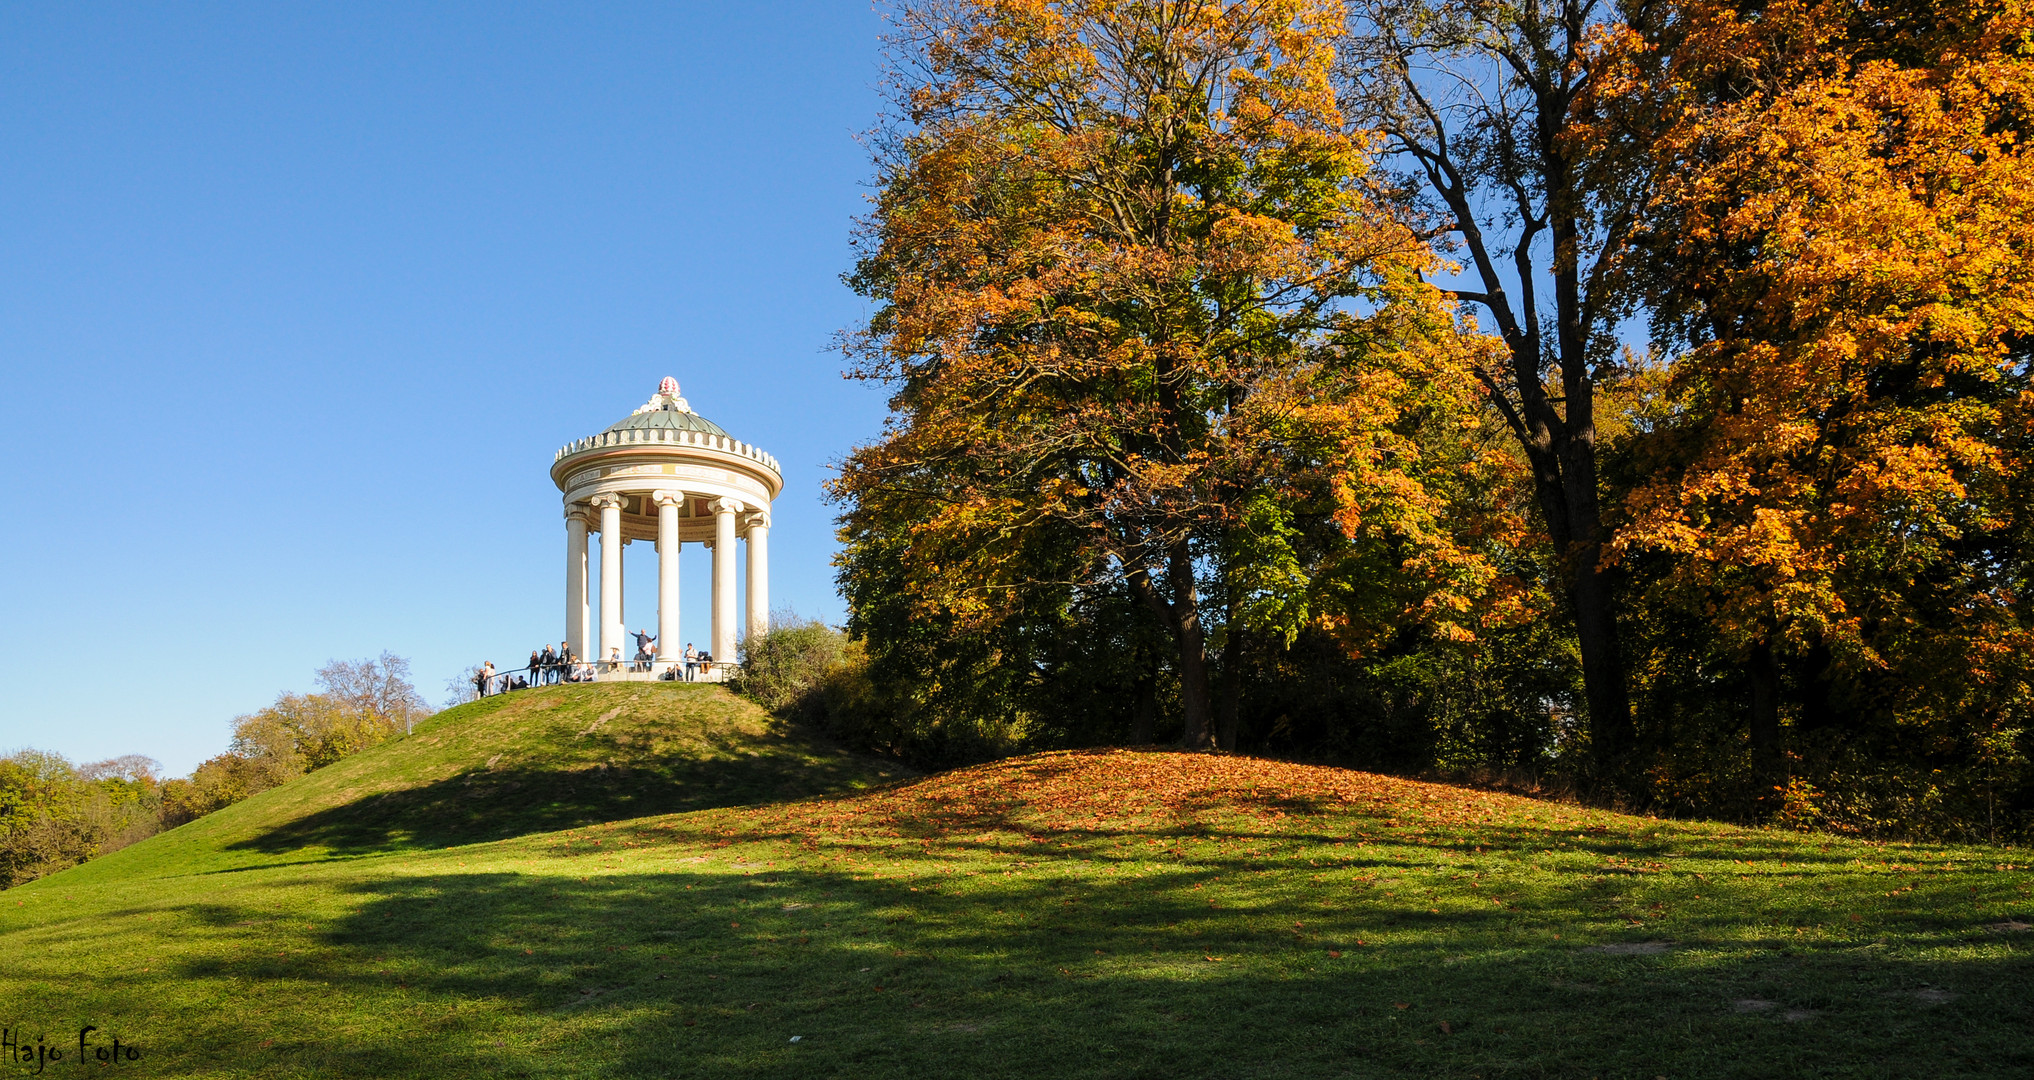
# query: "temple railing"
[[587, 671]]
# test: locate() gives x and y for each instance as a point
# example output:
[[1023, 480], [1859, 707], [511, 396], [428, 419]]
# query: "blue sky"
[[297, 300]]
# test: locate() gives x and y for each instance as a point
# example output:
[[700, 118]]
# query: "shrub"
[[784, 668]]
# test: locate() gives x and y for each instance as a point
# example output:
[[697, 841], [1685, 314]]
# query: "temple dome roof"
[[665, 425]]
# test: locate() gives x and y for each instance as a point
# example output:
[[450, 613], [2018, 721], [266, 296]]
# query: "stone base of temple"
[[717, 675]]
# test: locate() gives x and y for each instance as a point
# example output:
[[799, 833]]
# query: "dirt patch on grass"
[[604, 718]]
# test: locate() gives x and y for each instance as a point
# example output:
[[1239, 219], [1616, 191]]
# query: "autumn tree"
[[1839, 247], [1138, 305], [1478, 103]]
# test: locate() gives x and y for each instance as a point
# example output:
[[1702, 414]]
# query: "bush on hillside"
[[783, 668], [805, 670]]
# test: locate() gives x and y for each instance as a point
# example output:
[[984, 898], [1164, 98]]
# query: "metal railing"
[[578, 671]]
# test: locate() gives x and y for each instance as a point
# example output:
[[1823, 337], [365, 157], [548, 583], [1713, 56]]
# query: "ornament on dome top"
[[666, 397]]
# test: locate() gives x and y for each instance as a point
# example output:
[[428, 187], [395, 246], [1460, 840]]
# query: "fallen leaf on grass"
[[1334, 954]]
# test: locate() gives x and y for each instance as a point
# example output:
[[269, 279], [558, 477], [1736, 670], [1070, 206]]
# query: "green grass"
[[1060, 915]]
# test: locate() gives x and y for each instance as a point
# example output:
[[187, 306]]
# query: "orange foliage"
[[1844, 230]]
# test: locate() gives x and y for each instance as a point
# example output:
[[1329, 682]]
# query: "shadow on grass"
[[495, 803], [685, 973]]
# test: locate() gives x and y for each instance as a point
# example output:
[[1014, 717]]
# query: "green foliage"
[[1265, 571]]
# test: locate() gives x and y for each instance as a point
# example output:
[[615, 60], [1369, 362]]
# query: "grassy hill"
[[532, 761], [686, 889]]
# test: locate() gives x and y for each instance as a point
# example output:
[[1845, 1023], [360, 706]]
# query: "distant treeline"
[[54, 814]]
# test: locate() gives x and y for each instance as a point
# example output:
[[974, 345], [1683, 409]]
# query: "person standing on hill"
[[691, 661], [547, 662]]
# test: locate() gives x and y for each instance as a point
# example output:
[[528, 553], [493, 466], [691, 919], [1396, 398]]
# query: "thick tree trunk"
[[1602, 659], [1182, 615], [1768, 767], [1566, 487]]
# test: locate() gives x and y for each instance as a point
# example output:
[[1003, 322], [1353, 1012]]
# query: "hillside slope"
[[531, 761], [1096, 914]]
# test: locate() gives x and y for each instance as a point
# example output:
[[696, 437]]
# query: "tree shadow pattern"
[[970, 939]]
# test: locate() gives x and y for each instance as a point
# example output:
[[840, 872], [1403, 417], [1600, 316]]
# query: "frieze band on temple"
[[667, 475]]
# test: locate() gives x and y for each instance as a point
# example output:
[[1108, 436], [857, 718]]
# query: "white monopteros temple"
[[670, 476]]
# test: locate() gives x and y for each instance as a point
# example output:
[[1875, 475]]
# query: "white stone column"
[[578, 613], [668, 646], [610, 574], [724, 511], [759, 573]]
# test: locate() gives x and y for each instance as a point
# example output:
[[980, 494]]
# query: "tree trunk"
[[1818, 690], [1144, 718], [1591, 594], [1768, 769], [1232, 682], [1193, 649]]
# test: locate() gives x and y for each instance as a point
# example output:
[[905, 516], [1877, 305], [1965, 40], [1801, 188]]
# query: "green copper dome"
[[667, 418]]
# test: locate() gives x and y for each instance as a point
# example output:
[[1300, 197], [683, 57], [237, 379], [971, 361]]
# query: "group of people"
[[646, 657], [549, 666]]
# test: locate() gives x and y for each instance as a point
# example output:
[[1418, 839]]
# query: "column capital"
[[668, 498], [579, 513], [603, 501], [759, 519], [728, 506]]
